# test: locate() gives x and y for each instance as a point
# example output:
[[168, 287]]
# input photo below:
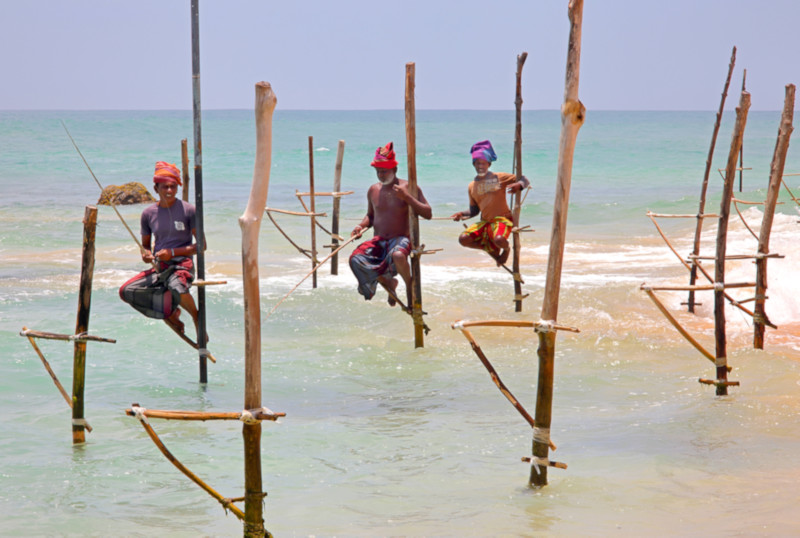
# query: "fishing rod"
[[142, 250]]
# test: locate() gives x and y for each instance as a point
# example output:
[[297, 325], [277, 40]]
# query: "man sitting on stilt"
[[160, 293], [487, 195], [386, 254]]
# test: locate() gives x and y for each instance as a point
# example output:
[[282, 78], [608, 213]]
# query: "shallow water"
[[381, 439]]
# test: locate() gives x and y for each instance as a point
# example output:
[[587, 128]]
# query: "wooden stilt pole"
[[198, 193], [699, 229], [572, 118], [722, 237], [775, 175], [82, 324], [741, 150], [337, 201], [516, 206], [185, 170], [411, 144], [250, 223], [313, 210]]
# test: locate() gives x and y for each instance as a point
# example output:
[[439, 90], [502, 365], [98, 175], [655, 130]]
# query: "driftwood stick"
[[250, 223], [300, 249], [741, 217], [297, 213], [557, 464], [171, 414], [773, 190], [740, 256], [707, 354], [319, 224], [67, 337], [226, 503], [700, 268], [111, 202], [722, 237], [337, 202], [53, 376], [704, 187], [511, 323], [406, 309], [702, 287], [413, 219], [516, 205], [336, 193], [209, 282], [791, 194], [499, 383], [313, 270], [675, 216], [573, 115]]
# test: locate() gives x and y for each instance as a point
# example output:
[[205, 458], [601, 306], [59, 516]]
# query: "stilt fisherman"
[[161, 293]]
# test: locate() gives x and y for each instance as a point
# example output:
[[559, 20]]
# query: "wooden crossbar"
[[679, 216], [298, 213], [30, 333], [334, 194]]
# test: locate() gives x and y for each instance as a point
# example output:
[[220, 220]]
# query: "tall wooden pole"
[[572, 118], [722, 237], [82, 324], [337, 202], [250, 223], [185, 170], [741, 150], [775, 175], [699, 227], [411, 145], [516, 245], [198, 192], [313, 196]]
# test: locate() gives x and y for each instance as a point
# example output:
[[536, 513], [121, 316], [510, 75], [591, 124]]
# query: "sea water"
[[380, 438]]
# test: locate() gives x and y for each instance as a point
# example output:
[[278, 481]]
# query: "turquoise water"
[[381, 439]]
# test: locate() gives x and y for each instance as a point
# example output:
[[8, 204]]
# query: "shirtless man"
[[487, 197], [386, 254]]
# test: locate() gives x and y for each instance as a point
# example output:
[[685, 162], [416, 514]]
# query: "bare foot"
[[174, 321], [393, 287], [503, 258]]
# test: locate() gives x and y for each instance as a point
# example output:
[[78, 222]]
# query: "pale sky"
[[351, 54]]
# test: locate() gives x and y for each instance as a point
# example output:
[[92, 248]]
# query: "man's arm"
[[419, 204], [512, 183], [147, 255], [473, 210], [366, 222], [468, 214]]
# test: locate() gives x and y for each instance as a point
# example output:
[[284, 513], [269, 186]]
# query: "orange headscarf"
[[166, 172]]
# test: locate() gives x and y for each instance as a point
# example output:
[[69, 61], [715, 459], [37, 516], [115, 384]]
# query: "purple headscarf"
[[483, 150]]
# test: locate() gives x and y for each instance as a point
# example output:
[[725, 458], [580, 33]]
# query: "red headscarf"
[[166, 172], [384, 157]]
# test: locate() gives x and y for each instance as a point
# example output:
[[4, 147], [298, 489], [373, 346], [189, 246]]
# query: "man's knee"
[[399, 257], [500, 241], [464, 240]]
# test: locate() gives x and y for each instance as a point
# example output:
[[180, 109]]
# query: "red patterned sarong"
[[485, 230]]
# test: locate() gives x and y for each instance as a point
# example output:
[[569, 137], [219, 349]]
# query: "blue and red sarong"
[[373, 258], [158, 294]]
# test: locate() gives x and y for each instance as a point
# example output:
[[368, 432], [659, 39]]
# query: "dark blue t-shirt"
[[172, 226]]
